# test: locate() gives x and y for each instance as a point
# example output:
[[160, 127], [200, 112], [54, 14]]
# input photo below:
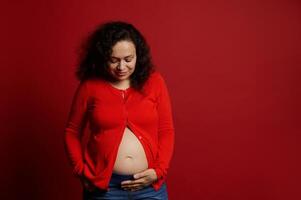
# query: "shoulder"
[[155, 83], [156, 77], [92, 83], [90, 86], [158, 80]]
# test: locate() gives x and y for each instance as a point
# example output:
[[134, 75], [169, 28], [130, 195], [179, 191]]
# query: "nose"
[[121, 66]]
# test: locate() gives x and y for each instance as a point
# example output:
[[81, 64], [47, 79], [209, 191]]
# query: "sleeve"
[[73, 129], [166, 134]]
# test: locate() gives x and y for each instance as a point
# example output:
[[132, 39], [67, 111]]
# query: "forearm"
[[165, 152], [74, 152]]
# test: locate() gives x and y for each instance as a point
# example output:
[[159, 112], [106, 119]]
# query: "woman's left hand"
[[86, 183], [142, 179]]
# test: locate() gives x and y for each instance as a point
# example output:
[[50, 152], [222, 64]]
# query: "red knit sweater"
[[108, 110]]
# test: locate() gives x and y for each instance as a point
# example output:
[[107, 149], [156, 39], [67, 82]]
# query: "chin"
[[120, 78]]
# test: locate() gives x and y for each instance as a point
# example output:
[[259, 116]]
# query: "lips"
[[121, 74]]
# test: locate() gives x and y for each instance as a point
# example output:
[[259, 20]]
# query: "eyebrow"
[[124, 57]]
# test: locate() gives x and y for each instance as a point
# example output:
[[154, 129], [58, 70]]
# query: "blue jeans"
[[116, 192]]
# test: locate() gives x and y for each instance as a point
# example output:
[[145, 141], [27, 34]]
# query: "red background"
[[232, 69]]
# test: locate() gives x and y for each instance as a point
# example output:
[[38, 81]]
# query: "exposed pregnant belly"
[[131, 156]]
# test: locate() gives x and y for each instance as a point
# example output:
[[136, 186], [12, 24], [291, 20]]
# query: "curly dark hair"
[[96, 50]]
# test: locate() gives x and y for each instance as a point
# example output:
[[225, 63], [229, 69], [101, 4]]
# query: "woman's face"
[[123, 60]]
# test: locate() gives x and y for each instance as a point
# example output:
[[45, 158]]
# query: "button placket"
[[124, 106], [123, 94]]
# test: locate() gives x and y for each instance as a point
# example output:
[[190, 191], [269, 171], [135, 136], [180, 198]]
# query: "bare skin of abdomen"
[[131, 156]]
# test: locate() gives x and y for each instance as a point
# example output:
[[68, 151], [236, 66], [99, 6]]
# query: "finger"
[[141, 180], [133, 189], [87, 184], [144, 184], [129, 181], [126, 182], [90, 187], [140, 175], [133, 186]]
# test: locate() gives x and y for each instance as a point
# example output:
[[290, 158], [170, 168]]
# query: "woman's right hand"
[[87, 184]]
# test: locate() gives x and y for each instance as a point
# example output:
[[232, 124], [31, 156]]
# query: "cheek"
[[133, 67], [112, 67], [133, 64]]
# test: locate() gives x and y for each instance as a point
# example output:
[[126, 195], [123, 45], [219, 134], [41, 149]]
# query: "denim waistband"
[[116, 179]]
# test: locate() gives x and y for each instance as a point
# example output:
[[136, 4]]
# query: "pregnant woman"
[[124, 102]]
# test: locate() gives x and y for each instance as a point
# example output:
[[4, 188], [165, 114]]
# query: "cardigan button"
[[140, 137]]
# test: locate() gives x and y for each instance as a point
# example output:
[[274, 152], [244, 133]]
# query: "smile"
[[121, 74]]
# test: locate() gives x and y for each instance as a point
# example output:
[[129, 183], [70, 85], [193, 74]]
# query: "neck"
[[121, 84]]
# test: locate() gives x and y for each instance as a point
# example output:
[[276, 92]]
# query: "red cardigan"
[[108, 110]]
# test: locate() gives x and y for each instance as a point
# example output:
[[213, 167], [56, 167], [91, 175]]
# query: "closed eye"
[[113, 60]]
